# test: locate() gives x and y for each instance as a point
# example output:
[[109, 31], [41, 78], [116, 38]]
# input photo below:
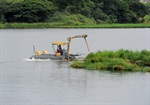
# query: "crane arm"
[[77, 36]]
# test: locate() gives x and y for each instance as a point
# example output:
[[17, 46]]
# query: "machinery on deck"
[[60, 54]]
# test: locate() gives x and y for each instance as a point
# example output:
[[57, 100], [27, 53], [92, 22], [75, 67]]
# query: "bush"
[[78, 64], [117, 60], [147, 19], [71, 19]]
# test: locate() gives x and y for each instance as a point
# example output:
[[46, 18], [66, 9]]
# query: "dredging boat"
[[60, 54]]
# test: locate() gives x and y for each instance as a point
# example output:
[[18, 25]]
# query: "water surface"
[[38, 82]]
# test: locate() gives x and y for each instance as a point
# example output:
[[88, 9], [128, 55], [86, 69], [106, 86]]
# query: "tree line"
[[74, 11]]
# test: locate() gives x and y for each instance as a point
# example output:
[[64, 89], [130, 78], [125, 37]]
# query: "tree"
[[2, 10], [139, 11], [110, 11], [147, 6], [100, 16], [124, 15], [29, 11]]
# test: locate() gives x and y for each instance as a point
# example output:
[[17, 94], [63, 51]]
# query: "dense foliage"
[[74, 11], [116, 60], [147, 17]]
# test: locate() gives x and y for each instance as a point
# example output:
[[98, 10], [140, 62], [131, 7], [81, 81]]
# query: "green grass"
[[120, 60], [30, 25], [66, 25]]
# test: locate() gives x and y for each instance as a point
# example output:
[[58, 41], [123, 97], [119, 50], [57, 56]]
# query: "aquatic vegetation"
[[125, 60]]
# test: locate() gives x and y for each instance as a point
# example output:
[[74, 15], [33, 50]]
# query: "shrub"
[[116, 60], [71, 19], [147, 19]]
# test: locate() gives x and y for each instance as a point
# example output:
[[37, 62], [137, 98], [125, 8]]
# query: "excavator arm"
[[77, 36]]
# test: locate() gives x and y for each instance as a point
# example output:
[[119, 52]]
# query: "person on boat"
[[59, 49]]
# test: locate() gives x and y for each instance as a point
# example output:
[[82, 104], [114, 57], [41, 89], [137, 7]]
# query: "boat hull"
[[53, 57]]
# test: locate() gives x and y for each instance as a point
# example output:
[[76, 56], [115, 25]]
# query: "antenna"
[[33, 49]]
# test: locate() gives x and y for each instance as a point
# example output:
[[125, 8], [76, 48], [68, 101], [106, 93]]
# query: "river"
[[47, 82]]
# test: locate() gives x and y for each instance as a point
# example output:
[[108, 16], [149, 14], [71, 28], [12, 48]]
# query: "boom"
[[77, 36]]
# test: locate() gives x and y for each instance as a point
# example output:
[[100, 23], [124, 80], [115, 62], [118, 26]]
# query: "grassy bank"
[[120, 60], [68, 25]]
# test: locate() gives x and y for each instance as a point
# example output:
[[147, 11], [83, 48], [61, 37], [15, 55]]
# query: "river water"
[[48, 82]]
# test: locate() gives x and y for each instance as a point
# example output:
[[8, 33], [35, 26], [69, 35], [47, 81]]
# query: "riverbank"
[[120, 60], [64, 25]]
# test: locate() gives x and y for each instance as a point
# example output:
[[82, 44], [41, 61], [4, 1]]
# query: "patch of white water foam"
[[27, 59]]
